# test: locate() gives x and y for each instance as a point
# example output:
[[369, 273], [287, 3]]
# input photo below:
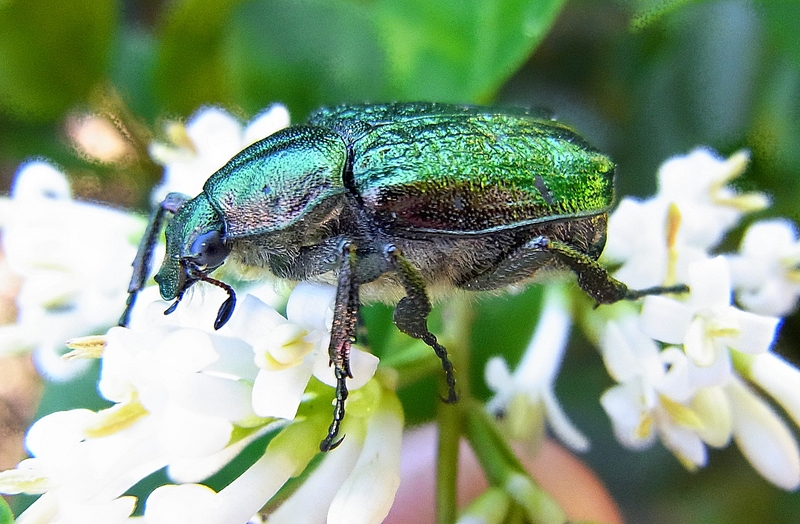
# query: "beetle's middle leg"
[[343, 332], [411, 314]]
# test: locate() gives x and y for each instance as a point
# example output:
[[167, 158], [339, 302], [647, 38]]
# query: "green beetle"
[[396, 201]]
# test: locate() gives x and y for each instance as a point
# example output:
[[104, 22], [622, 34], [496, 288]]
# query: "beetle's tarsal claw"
[[331, 441], [634, 294], [329, 444], [451, 398]]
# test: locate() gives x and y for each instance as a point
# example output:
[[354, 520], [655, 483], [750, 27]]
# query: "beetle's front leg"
[[343, 331], [411, 314], [144, 256]]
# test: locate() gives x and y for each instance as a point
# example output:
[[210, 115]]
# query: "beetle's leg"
[[594, 279], [411, 314], [343, 330], [541, 251], [144, 256]]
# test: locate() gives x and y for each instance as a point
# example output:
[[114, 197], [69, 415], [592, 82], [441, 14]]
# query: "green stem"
[[503, 468], [447, 463], [457, 319]]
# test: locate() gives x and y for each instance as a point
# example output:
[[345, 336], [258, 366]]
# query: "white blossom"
[[74, 259], [357, 483], [689, 215], [180, 390], [763, 437], [662, 394], [766, 272], [706, 323], [288, 351], [526, 397]]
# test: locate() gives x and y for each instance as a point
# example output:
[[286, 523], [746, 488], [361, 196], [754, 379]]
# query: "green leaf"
[[781, 22], [306, 54], [190, 68], [646, 12], [6, 516], [52, 53], [317, 52], [459, 50]]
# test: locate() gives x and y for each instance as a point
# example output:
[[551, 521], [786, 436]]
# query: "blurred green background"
[[641, 79]]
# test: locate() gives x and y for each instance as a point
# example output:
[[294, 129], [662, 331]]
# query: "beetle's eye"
[[208, 250]]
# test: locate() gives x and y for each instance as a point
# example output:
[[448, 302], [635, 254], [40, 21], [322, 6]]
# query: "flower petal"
[[564, 429], [368, 492], [712, 407], [764, 438], [278, 393], [311, 502], [780, 379], [362, 364], [267, 122], [710, 283], [184, 504], [756, 332], [665, 319]]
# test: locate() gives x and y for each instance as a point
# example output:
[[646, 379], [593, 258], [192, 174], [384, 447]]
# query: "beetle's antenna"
[[226, 309]]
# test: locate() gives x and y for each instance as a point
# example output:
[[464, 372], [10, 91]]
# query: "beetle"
[[395, 200]]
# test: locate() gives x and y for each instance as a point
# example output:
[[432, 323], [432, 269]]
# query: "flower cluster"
[[685, 365], [74, 261], [186, 398]]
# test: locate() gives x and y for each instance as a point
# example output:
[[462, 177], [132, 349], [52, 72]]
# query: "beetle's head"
[[195, 247]]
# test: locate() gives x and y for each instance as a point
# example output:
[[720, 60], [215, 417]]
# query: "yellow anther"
[[85, 347]]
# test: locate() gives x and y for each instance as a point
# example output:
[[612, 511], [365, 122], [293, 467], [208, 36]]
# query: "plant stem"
[[457, 319], [503, 468]]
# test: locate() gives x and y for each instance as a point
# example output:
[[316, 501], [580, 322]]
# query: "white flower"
[[209, 139], [78, 477], [766, 273], [354, 484], [776, 376], [357, 483], [707, 324], [526, 397], [691, 212], [290, 350], [184, 400], [763, 437], [661, 393], [74, 258]]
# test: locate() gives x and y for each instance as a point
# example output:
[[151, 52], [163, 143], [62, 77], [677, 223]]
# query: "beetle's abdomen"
[[479, 173]]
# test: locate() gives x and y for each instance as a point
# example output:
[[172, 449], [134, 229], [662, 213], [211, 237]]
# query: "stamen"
[[673, 225]]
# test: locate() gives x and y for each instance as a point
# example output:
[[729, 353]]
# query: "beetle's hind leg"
[[144, 256], [343, 331], [543, 251], [594, 279], [411, 314]]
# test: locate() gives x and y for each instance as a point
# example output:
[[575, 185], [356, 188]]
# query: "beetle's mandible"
[[396, 200]]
